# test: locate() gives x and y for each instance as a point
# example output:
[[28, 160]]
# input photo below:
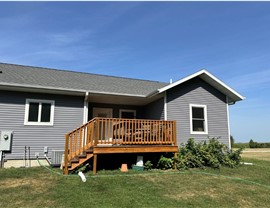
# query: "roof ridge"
[[79, 72]]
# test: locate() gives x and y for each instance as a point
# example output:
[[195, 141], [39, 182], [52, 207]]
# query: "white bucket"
[[139, 161]]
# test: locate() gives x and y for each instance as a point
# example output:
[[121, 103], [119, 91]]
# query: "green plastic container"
[[139, 168]]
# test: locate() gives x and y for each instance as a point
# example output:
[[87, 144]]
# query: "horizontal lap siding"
[[155, 110], [115, 107], [196, 91], [68, 114]]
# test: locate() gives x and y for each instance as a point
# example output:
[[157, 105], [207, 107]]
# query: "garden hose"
[[160, 173]]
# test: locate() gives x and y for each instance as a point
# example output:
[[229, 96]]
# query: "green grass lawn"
[[245, 186]]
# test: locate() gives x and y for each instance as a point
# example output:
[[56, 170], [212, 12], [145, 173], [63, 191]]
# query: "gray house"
[[40, 106]]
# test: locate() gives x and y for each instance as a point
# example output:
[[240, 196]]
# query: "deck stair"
[[80, 159]]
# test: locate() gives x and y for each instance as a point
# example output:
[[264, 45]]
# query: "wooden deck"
[[111, 135]]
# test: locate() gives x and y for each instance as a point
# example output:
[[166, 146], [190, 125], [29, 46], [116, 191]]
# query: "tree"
[[232, 141], [252, 144]]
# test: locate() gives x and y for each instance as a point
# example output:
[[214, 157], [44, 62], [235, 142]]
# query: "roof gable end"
[[232, 95]]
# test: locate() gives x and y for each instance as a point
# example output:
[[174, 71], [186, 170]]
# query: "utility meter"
[[5, 140]]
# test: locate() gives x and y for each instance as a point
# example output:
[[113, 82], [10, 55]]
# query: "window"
[[125, 113], [39, 112], [198, 119]]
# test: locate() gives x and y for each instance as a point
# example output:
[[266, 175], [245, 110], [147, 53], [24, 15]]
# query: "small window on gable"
[[39, 112], [198, 119]]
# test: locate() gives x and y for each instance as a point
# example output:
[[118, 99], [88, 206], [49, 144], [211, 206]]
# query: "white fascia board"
[[223, 84], [197, 74], [117, 94], [179, 82], [20, 87]]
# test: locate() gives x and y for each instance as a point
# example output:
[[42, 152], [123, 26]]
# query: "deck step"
[[90, 150], [81, 161], [82, 155], [75, 160]]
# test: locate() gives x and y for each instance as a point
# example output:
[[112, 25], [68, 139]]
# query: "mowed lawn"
[[245, 186]]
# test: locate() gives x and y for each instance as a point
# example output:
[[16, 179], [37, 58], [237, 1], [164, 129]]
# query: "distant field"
[[257, 153]]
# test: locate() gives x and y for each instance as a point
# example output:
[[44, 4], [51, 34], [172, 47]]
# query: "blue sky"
[[151, 40]]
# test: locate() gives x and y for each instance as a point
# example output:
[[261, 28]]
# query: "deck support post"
[[95, 164], [175, 159], [65, 170]]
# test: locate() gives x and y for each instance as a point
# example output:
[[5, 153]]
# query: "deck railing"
[[114, 131]]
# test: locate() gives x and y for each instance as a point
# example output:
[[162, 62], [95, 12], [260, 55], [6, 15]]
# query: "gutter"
[[151, 94], [232, 103], [41, 87], [60, 90]]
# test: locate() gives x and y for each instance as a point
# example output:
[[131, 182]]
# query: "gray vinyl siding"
[[155, 110], [68, 114], [196, 91], [115, 108]]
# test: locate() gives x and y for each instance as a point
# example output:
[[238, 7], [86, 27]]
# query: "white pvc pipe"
[[246, 163], [82, 176]]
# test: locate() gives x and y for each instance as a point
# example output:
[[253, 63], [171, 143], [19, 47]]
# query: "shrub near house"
[[207, 154]]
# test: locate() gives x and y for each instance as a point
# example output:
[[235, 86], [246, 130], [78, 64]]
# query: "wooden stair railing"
[[79, 146]]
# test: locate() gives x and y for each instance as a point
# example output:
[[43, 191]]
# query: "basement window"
[[198, 119], [39, 112]]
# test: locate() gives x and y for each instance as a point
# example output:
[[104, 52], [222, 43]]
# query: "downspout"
[[165, 106], [85, 115], [85, 108], [228, 121]]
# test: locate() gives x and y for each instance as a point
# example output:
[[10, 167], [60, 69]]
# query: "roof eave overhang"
[[64, 91], [40, 89], [232, 95]]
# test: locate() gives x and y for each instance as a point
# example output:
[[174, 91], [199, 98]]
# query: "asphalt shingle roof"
[[44, 77]]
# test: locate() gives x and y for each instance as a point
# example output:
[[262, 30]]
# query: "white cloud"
[[259, 79], [67, 38]]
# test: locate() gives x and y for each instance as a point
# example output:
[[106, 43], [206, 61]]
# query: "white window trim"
[[205, 119], [38, 123], [126, 110]]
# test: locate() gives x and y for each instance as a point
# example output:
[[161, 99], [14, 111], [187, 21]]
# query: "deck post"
[[174, 133], [95, 164], [66, 155], [175, 158]]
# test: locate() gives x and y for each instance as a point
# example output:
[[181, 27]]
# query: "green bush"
[[207, 154], [148, 165], [165, 163]]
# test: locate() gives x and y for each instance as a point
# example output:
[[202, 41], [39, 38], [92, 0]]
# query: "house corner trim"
[[165, 107], [228, 122], [85, 108]]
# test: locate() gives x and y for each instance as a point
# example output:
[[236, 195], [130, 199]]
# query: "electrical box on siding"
[[5, 140]]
